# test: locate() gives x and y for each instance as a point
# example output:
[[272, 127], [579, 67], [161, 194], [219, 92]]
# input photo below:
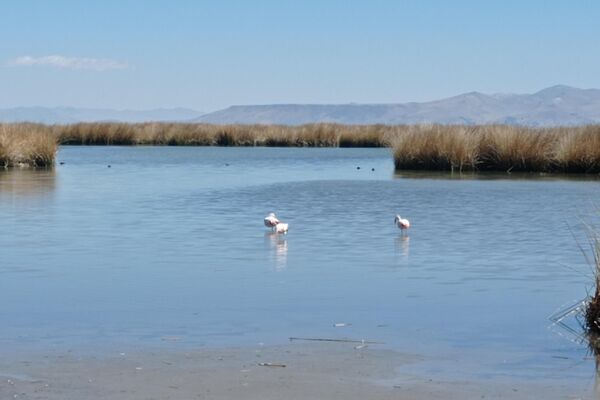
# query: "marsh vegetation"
[[498, 148], [181, 134], [503, 148], [27, 144]]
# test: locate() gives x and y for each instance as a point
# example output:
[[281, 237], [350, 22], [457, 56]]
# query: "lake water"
[[167, 248]]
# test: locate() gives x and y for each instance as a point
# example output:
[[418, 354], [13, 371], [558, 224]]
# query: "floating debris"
[[170, 338], [341, 324], [336, 340], [267, 364]]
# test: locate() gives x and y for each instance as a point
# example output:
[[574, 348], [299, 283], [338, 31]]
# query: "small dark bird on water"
[[357, 167], [372, 169], [62, 163], [108, 165]]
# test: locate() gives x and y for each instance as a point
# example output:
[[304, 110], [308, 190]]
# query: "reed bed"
[[498, 148], [26, 145], [415, 147], [181, 134]]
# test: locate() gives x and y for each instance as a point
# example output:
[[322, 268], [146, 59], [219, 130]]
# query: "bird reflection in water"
[[277, 243], [402, 245]]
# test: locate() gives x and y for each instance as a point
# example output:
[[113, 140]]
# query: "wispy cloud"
[[57, 61]]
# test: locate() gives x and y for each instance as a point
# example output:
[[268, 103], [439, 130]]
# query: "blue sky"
[[208, 55]]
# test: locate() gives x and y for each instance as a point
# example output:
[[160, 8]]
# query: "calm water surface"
[[169, 242]]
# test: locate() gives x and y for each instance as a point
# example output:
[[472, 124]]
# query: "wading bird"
[[402, 223], [271, 221], [281, 228]]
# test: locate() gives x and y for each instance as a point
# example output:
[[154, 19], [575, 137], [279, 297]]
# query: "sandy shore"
[[294, 371]]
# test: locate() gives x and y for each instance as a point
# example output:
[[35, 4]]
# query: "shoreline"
[[292, 371]]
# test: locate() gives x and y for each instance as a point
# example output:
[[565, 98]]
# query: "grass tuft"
[[498, 148], [26, 145]]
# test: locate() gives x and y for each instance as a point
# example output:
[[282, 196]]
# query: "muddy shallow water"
[[166, 249]]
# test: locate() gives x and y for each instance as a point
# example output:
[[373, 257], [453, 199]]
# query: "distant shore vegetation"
[[504, 148]]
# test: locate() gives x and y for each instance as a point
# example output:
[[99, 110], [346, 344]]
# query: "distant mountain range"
[[67, 115], [556, 105]]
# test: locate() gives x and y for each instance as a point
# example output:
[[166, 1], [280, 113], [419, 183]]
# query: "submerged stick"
[[335, 340], [267, 364]]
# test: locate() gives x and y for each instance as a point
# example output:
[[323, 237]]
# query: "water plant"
[[592, 311]]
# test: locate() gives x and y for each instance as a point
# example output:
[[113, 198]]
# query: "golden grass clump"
[[436, 147], [26, 145], [364, 135], [498, 148], [98, 134], [578, 150], [509, 148]]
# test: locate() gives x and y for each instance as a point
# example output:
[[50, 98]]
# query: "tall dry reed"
[[435, 147], [27, 144], [498, 148], [415, 147], [180, 134]]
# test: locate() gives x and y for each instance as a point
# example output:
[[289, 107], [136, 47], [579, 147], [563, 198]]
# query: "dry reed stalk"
[[435, 147], [578, 149], [509, 148], [592, 312]]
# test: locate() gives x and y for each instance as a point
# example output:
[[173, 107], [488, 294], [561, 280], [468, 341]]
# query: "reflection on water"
[[593, 344], [596, 354], [278, 245], [19, 183], [493, 175], [402, 244]]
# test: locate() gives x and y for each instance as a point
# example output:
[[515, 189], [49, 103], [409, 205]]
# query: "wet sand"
[[298, 371]]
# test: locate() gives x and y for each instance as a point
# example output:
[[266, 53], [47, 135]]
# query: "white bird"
[[271, 221], [281, 228], [402, 223]]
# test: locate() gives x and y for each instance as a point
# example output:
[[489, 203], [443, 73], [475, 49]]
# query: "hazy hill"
[[557, 105], [65, 115]]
